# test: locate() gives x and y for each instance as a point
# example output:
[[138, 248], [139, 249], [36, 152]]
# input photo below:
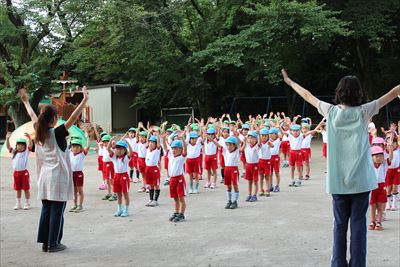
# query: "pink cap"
[[378, 140], [376, 150]]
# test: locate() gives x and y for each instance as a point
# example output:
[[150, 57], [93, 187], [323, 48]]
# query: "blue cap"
[[231, 139], [193, 135], [210, 131], [306, 125], [153, 138], [273, 131], [122, 144], [226, 128], [176, 143], [264, 131], [295, 127], [245, 126], [253, 134]]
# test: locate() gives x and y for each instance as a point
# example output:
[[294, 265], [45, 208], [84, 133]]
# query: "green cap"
[[193, 125], [76, 142], [103, 134], [75, 136], [196, 128], [143, 133], [233, 122], [211, 126], [170, 130], [132, 130], [106, 138], [21, 141], [226, 121]]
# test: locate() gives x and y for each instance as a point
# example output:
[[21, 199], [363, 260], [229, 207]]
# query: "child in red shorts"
[[275, 158], [222, 149], [108, 168], [130, 137], [152, 172], [121, 157], [99, 149], [177, 183], [192, 165], [306, 144], [210, 162], [141, 159], [264, 164], [378, 195], [231, 179], [77, 158], [20, 156], [251, 149]]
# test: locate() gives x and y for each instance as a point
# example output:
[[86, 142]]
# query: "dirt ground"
[[290, 228]]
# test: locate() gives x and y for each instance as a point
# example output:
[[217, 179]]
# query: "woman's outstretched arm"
[[389, 96]]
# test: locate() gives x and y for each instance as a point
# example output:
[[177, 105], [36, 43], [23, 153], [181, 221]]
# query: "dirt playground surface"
[[290, 228]]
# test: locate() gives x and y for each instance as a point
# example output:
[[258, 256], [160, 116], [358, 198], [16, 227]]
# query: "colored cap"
[[21, 141], [176, 143], [233, 122], [193, 125], [245, 126], [295, 127], [378, 140], [121, 143], [196, 128], [226, 128], [211, 131], [253, 134], [103, 134], [143, 133], [306, 125], [75, 136], [231, 139], [376, 150], [76, 142], [304, 120], [170, 130], [153, 138], [264, 131], [132, 130], [267, 123], [211, 126], [193, 135], [226, 121], [106, 138], [273, 131]]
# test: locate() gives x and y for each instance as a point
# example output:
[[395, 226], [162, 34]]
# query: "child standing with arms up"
[[211, 162], [121, 157], [351, 174], [275, 158], [264, 164], [108, 168], [130, 137], [194, 145], [152, 172], [141, 160], [177, 183], [231, 158], [20, 155], [251, 149], [222, 149]]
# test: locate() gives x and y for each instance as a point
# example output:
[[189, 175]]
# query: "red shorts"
[[166, 162], [177, 186], [378, 195], [141, 164], [243, 157], [78, 178], [285, 147], [133, 161], [100, 163], [121, 183], [201, 164], [231, 175], [210, 162], [221, 159], [108, 170], [251, 172], [392, 177], [21, 180], [295, 158], [192, 165], [264, 167], [306, 155], [152, 174], [275, 163], [324, 150]]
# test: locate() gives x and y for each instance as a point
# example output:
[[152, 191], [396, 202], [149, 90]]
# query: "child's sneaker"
[[112, 198], [307, 177], [179, 218], [222, 181], [292, 183], [253, 198], [261, 194], [124, 213], [73, 209], [118, 213], [234, 205], [271, 188], [228, 205], [213, 185], [27, 206], [103, 186], [153, 203], [195, 191], [248, 198], [147, 190], [166, 182], [173, 216], [267, 194], [371, 226], [136, 180], [191, 191], [141, 190], [277, 189], [148, 203], [297, 183], [17, 206], [207, 185], [378, 226], [106, 197], [78, 209]]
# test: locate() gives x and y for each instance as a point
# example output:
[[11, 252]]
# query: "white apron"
[[54, 171]]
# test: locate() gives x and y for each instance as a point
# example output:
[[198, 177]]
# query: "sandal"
[[378, 226], [371, 226]]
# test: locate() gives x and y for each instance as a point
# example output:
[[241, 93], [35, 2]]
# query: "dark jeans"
[[351, 207], [51, 222]]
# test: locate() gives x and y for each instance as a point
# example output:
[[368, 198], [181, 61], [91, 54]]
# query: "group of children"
[[256, 143]]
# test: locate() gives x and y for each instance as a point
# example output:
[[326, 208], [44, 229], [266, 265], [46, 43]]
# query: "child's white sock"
[[119, 207], [28, 201], [389, 202], [236, 195], [126, 208], [394, 201], [228, 195], [19, 201]]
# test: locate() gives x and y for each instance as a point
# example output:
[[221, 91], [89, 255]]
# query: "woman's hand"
[[286, 78]]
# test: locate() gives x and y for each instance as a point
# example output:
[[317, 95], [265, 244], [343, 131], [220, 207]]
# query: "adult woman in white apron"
[[55, 184], [351, 174]]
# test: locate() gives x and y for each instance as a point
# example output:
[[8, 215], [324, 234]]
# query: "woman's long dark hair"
[[42, 126], [349, 92]]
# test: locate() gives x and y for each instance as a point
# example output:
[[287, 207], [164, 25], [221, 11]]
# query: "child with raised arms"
[[141, 159], [231, 170], [306, 144], [251, 149], [224, 134], [264, 164], [152, 171], [275, 158], [211, 161], [130, 137], [192, 165], [108, 168]]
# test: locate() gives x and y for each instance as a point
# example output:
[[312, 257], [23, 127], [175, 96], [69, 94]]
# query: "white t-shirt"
[[193, 151], [222, 143], [121, 164], [142, 149], [324, 137], [276, 149], [251, 153], [175, 165], [106, 155], [307, 141], [210, 148], [395, 162], [285, 137], [153, 157], [133, 143], [20, 161], [381, 171], [295, 142], [265, 151], [232, 158], [100, 148], [77, 161]]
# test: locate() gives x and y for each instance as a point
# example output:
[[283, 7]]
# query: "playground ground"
[[290, 228]]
